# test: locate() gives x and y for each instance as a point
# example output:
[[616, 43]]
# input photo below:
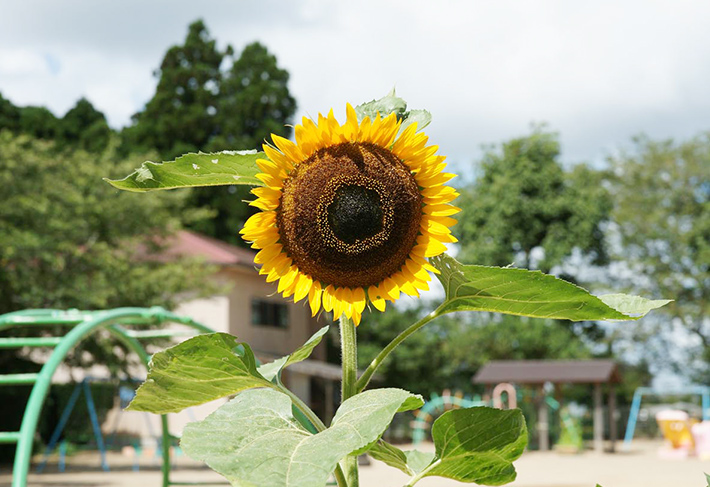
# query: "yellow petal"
[[314, 295], [270, 181], [356, 317], [328, 297], [289, 149], [391, 289], [302, 287], [440, 210], [376, 297], [268, 253], [288, 278], [432, 245], [359, 299]]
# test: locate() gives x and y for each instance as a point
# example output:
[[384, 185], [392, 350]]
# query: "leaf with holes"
[[530, 293], [194, 170], [255, 440]]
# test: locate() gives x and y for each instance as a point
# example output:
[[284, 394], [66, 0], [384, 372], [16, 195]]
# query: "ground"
[[639, 468]]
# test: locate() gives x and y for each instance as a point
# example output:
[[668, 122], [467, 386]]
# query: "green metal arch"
[[84, 324]]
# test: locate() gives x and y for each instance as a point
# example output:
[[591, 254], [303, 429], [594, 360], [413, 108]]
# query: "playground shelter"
[[537, 373], [81, 324]]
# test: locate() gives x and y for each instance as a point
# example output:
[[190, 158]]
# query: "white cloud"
[[597, 72]]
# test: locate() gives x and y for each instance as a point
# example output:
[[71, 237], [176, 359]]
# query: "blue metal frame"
[[703, 391]]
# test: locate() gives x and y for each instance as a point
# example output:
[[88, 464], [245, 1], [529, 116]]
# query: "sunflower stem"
[[348, 347], [361, 384]]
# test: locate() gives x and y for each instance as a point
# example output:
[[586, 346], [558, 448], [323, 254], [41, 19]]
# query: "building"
[[249, 308]]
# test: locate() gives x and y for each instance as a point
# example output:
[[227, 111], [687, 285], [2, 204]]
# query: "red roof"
[[191, 244]]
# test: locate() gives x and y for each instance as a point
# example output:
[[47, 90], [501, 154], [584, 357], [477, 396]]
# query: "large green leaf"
[[530, 293], [254, 440], [192, 170], [196, 371], [272, 369], [478, 445], [410, 462]]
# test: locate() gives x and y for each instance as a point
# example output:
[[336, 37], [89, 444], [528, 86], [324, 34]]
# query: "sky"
[[596, 72]]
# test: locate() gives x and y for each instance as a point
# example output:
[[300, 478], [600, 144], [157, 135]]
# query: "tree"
[[661, 193], [69, 241], [84, 127], [199, 106], [9, 115], [181, 115], [39, 122], [439, 357], [524, 200], [254, 102], [526, 209]]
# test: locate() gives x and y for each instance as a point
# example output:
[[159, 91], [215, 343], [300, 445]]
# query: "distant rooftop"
[[191, 244], [541, 371]]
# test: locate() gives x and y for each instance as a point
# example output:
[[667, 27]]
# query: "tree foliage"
[[441, 355], [181, 115], [207, 100], [83, 126], [524, 200], [661, 193], [69, 241]]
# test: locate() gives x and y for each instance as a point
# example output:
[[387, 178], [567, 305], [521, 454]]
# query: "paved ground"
[[639, 468]]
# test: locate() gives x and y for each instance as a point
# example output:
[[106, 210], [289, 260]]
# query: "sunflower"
[[350, 213]]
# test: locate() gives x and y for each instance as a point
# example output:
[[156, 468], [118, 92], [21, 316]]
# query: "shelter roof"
[[541, 371]]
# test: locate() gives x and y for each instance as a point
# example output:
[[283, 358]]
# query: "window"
[[269, 313]]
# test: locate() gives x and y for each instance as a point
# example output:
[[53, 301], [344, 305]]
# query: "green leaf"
[[632, 305], [391, 455], [707, 479], [194, 170], [530, 293], [391, 103], [419, 460], [478, 445], [272, 369], [196, 371], [410, 462], [254, 440], [421, 117]]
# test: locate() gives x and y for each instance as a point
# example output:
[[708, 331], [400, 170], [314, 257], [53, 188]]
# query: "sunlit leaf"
[[478, 445], [196, 371], [391, 103], [530, 293], [194, 170], [410, 462], [254, 439]]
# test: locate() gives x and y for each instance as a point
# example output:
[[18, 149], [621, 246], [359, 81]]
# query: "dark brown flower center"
[[355, 213], [350, 214]]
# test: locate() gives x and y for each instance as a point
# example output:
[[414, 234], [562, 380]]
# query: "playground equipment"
[[702, 391], [509, 390], [81, 324]]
